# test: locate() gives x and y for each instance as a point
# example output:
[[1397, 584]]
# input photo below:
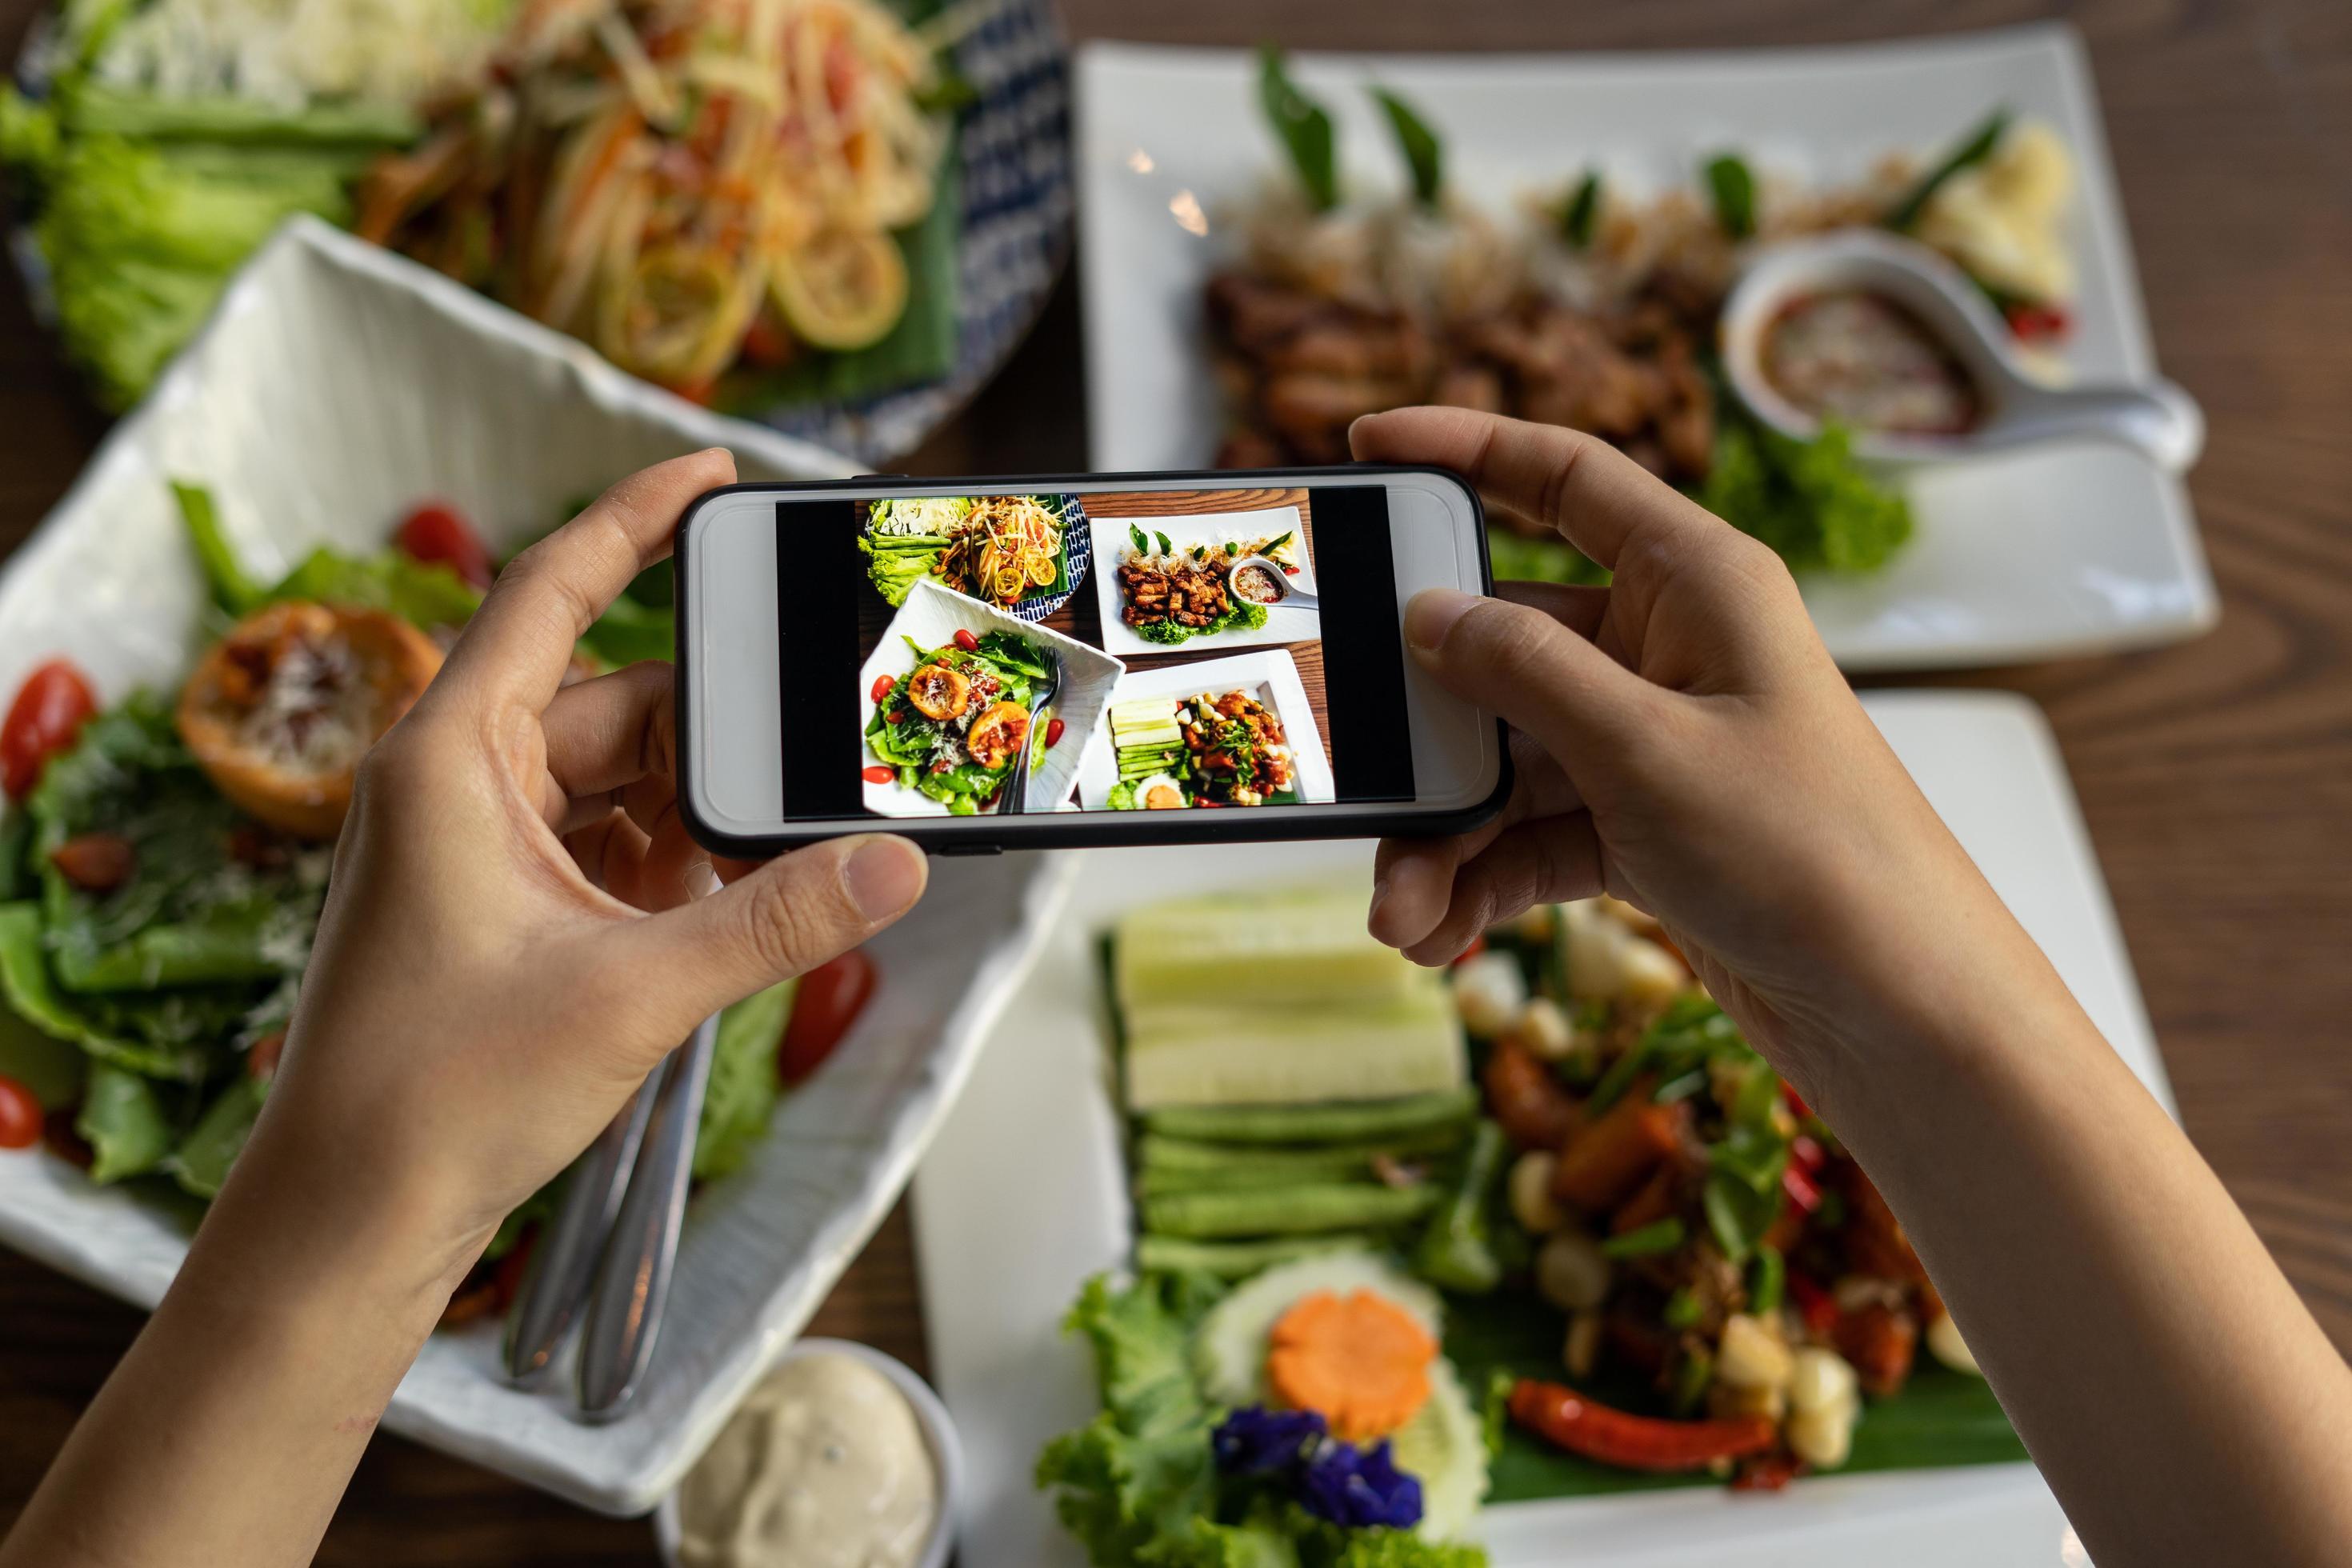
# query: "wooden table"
[[2216, 777]]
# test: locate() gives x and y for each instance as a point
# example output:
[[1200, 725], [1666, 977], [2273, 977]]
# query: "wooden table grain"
[[2216, 777]]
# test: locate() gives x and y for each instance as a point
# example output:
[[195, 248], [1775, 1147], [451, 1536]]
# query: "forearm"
[[2178, 1397], [231, 1427]]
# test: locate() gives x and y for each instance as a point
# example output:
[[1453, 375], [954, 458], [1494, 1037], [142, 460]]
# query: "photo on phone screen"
[[1161, 650]]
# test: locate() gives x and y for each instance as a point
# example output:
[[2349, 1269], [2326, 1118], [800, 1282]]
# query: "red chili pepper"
[[1765, 1473], [50, 708], [1803, 1195], [966, 641], [1796, 1101], [96, 862], [878, 775], [1053, 733], [1814, 1307], [882, 685], [2034, 322], [1596, 1432], [20, 1116], [1807, 1154], [1522, 1095], [436, 535], [1477, 945], [826, 1004], [1290, 571]]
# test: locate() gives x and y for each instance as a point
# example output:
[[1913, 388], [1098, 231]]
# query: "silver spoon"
[[2158, 420], [632, 1282], [555, 1282]]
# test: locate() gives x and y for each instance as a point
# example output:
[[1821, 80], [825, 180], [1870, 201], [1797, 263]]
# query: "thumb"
[[1519, 662], [780, 920]]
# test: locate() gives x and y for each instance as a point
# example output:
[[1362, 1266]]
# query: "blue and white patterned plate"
[[1014, 143], [1077, 553]]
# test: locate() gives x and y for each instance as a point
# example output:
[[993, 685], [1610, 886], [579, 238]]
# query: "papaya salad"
[[1005, 551], [164, 861], [1408, 1242], [689, 184]]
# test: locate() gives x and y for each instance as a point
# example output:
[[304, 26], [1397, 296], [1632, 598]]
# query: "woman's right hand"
[[1681, 741]]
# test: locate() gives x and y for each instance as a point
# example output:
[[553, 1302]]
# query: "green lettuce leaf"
[[125, 1120], [429, 594], [743, 1089], [201, 1162]]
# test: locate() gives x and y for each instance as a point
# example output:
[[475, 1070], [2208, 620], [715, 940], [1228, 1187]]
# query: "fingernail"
[[1431, 614], [884, 877]]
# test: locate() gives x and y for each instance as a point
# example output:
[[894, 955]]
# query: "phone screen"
[[1030, 652]]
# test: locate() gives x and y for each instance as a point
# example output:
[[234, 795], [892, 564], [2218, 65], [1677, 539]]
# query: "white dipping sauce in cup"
[[824, 1466]]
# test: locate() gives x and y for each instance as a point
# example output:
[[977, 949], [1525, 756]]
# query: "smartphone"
[[1061, 660]]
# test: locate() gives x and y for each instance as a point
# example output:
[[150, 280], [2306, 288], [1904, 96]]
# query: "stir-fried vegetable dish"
[[1556, 1187]]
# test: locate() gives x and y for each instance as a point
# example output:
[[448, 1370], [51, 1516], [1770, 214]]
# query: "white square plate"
[[316, 406], [931, 616], [998, 1292], [1269, 674], [2065, 550], [1112, 544]]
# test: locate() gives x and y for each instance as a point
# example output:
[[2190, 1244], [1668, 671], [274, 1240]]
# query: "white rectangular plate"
[[932, 615], [1270, 674], [2065, 550], [316, 405], [1284, 623], [998, 1292]]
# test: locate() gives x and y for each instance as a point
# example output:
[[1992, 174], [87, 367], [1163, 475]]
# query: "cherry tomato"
[[50, 708], [1053, 733], [434, 534], [829, 999], [882, 685], [20, 1116], [966, 641], [2035, 324], [1290, 571], [880, 774], [96, 862]]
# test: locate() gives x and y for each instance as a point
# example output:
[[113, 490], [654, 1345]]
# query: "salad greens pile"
[[1141, 1484], [145, 204], [903, 538], [929, 753], [168, 983]]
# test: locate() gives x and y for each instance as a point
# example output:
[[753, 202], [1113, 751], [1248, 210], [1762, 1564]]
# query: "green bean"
[[1351, 1121], [1235, 1259], [1303, 1210], [1158, 1152]]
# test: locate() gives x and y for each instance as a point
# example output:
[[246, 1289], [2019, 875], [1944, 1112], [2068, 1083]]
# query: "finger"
[[1412, 878], [1546, 862], [787, 917], [518, 644], [1581, 608], [605, 735], [607, 850], [1581, 486], [1519, 662]]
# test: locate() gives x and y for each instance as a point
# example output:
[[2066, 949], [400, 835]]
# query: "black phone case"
[[1074, 830]]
